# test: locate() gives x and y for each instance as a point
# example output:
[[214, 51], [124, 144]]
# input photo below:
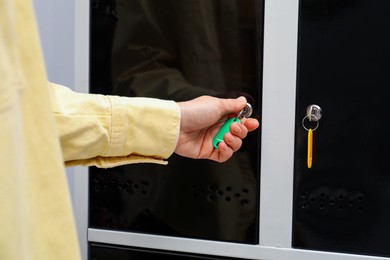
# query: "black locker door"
[[179, 50], [109, 252], [342, 203]]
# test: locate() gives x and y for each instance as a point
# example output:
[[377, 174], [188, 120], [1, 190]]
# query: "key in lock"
[[244, 113], [313, 114]]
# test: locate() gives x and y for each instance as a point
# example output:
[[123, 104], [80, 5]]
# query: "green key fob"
[[224, 129]]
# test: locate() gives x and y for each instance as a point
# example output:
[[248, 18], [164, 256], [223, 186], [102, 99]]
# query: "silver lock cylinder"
[[245, 112], [313, 113]]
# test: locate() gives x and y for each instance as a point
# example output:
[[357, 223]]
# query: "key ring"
[[315, 120]]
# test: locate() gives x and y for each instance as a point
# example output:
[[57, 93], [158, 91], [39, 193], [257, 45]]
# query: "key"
[[313, 115], [246, 112]]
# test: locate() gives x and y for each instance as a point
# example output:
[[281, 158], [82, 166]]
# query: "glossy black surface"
[[342, 204], [179, 50], [108, 252]]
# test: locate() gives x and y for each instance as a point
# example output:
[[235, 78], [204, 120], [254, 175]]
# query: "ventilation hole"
[[331, 202], [341, 197], [145, 183], [237, 195], [244, 202], [228, 188], [211, 197], [360, 198], [341, 207], [351, 203], [322, 206], [245, 190], [144, 192], [360, 209], [220, 193], [228, 199], [313, 200], [211, 187], [304, 195], [98, 188], [303, 205], [129, 190], [128, 183], [322, 195], [136, 186]]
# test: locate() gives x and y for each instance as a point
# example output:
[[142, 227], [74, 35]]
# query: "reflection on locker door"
[[179, 50], [342, 203]]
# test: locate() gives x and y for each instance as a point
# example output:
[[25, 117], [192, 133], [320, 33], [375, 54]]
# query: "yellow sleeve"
[[107, 131]]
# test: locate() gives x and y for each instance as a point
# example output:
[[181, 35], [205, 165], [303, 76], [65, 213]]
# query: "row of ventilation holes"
[[213, 193], [332, 201], [130, 186]]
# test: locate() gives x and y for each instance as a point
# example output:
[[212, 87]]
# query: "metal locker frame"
[[277, 122]]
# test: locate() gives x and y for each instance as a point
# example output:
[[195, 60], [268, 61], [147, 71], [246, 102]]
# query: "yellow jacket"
[[44, 125]]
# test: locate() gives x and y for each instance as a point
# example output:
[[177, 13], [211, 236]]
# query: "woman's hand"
[[201, 119]]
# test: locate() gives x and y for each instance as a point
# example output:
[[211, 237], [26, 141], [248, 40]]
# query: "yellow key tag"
[[309, 148]]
